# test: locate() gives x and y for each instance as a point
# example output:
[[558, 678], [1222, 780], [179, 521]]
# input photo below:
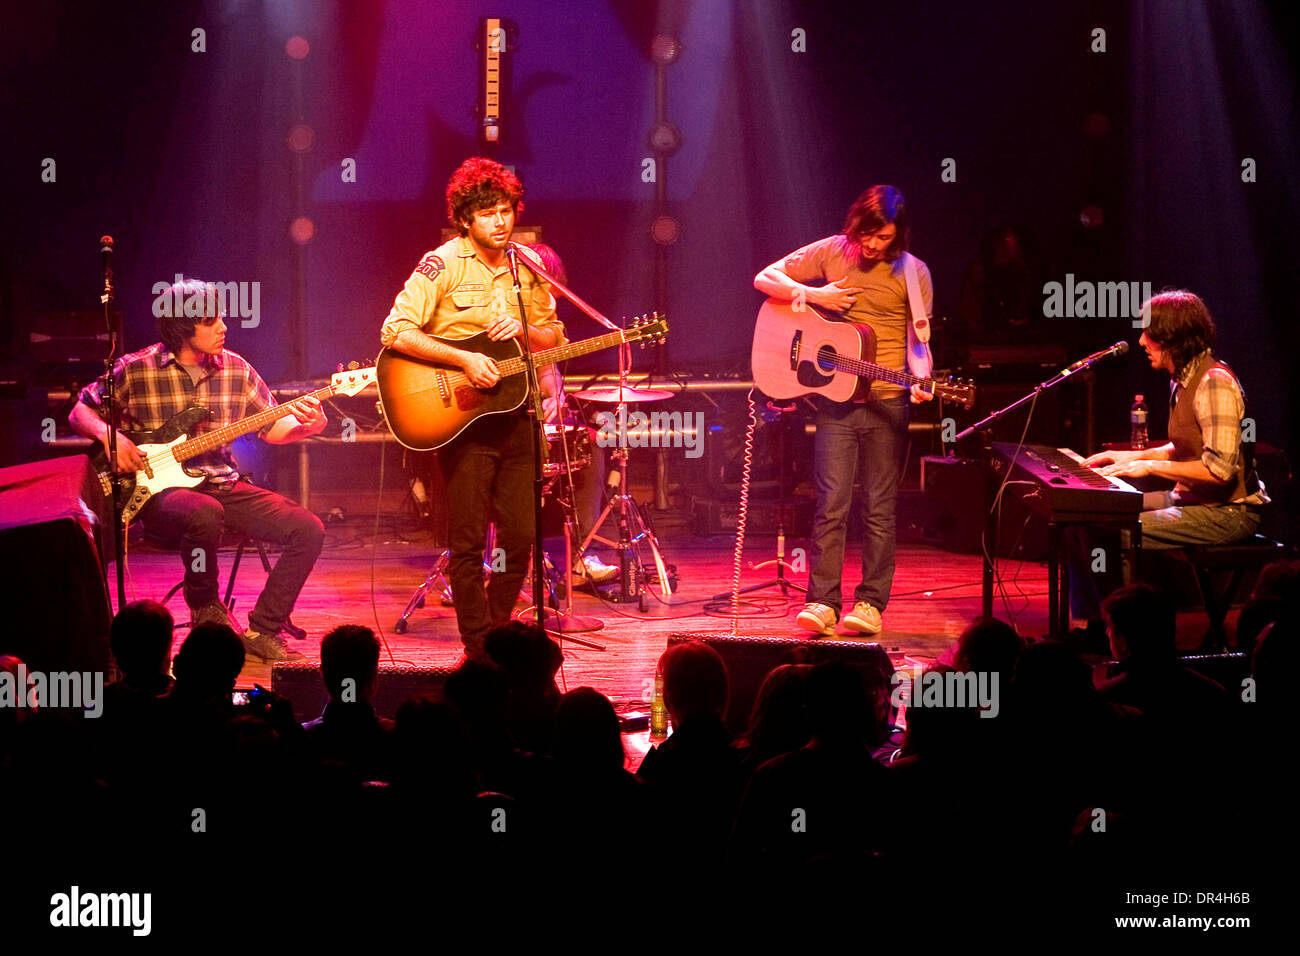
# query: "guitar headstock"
[[958, 390], [353, 380], [646, 329]]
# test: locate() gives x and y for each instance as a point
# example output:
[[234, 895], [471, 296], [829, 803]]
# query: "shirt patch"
[[430, 266], [471, 287]]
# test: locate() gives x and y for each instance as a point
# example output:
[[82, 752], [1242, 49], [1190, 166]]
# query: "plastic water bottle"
[[1137, 420]]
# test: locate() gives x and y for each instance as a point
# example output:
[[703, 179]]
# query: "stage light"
[[302, 138], [1092, 216], [297, 48], [665, 138], [302, 230], [664, 48], [665, 230]]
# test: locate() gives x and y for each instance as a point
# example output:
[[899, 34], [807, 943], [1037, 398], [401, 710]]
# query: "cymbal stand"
[[632, 526]]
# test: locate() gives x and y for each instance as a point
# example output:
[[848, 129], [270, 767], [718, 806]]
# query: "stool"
[[288, 627], [1237, 559]]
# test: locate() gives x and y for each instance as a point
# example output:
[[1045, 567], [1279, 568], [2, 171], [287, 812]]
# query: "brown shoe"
[[268, 648], [214, 612]]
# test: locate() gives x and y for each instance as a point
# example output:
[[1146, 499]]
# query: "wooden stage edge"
[[935, 594], [362, 580]]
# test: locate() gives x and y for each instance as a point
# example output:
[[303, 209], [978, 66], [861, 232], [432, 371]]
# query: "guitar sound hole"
[[826, 356], [810, 376]]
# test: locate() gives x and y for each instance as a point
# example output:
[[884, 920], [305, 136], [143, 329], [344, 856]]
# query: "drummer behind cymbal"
[[588, 483]]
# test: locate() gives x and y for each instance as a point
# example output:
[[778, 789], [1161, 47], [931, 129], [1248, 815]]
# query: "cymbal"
[[610, 394]]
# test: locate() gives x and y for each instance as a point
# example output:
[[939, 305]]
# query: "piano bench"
[[1215, 561]]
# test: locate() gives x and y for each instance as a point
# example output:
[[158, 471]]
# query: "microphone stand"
[[111, 413], [984, 428], [537, 413], [537, 425]]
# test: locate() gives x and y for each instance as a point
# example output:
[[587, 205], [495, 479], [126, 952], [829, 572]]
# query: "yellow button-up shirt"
[[455, 294]]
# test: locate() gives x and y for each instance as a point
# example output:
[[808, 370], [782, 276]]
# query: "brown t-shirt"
[[882, 303]]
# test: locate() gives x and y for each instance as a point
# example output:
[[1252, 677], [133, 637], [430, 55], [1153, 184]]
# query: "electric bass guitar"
[[165, 450], [427, 404], [814, 350]]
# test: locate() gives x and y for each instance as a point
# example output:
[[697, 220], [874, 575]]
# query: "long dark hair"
[[876, 208], [1181, 325]]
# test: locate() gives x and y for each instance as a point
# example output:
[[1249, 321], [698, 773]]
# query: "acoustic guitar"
[[427, 404], [816, 351]]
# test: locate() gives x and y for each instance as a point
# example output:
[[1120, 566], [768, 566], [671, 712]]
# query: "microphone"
[[106, 264], [514, 266], [1119, 348]]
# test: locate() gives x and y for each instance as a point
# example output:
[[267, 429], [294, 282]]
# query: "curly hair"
[[480, 184], [1180, 324], [876, 208]]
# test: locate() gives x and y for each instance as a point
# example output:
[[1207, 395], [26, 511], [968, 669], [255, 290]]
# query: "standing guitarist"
[[459, 289], [192, 366], [862, 274]]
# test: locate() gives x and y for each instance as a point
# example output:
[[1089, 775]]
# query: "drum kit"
[[570, 449]]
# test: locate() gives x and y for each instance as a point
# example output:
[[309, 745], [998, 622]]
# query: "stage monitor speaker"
[[750, 658], [302, 685], [52, 534]]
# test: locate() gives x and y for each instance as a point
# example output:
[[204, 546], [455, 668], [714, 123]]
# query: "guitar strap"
[[919, 360]]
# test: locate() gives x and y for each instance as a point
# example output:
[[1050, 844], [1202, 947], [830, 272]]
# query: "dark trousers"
[[857, 439], [489, 474], [196, 516]]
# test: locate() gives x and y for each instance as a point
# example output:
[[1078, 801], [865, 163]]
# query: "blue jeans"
[[852, 439], [1163, 529], [1176, 527]]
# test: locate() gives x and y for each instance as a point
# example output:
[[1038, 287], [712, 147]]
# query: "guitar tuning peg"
[[353, 366], [339, 367]]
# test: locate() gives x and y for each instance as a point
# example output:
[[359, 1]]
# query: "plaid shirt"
[[152, 387], [1219, 406]]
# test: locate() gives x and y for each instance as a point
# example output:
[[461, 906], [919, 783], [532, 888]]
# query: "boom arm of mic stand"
[[568, 293], [1051, 383]]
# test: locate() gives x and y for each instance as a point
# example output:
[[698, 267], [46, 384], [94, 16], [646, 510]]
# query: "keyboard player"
[[1217, 495]]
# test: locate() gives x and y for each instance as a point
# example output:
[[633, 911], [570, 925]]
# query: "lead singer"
[[458, 290]]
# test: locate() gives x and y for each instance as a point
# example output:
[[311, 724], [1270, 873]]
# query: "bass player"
[[192, 366]]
